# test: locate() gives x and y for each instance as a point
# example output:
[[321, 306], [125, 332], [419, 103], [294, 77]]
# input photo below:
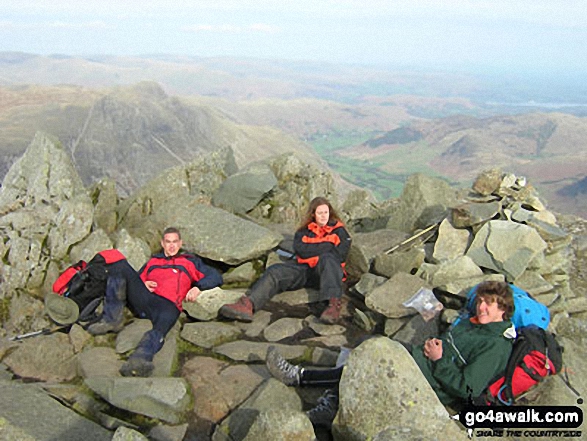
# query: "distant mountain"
[[129, 134], [129, 117], [576, 190], [246, 79], [550, 149]]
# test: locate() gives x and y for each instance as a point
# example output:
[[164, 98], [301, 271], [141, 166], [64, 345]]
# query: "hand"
[[193, 294], [433, 349], [151, 286]]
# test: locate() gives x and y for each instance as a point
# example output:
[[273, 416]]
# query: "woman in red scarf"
[[321, 245]]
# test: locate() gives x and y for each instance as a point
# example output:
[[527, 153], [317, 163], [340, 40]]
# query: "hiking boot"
[[137, 367], [242, 310], [332, 313], [289, 374], [102, 327], [325, 411], [112, 319], [140, 363]]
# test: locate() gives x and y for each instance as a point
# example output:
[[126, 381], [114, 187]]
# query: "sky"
[[500, 35]]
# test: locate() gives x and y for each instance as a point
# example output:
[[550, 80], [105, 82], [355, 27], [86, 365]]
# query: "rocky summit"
[[210, 379]]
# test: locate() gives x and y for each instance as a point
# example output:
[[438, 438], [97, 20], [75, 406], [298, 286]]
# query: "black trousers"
[[327, 275], [321, 377], [143, 303], [330, 377]]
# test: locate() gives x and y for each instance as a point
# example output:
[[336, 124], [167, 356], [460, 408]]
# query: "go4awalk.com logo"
[[522, 421]]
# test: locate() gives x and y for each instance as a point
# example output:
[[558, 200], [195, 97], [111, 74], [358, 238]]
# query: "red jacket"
[[176, 275], [313, 241]]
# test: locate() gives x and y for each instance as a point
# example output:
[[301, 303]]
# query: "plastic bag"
[[425, 303]]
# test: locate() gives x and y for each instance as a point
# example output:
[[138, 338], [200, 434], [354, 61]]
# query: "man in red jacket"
[[156, 293]]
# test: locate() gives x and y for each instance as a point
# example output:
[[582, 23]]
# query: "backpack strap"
[[531, 372], [505, 394]]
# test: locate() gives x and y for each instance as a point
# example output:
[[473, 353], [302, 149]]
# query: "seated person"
[[155, 293], [321, 245], [459, 365]]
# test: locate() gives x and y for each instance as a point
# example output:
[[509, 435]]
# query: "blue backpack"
[[527, 310]]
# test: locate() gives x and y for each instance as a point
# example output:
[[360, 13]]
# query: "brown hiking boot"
[[242, 310], [332, 313]]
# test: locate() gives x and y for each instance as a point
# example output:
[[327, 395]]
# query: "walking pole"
[[415, 236], [44, 331]]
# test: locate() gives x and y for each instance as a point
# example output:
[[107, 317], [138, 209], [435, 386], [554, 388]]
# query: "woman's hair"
[[499, 292], [309, 215]]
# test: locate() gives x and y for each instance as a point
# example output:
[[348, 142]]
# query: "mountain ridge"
[[352, 117], [129, 134]]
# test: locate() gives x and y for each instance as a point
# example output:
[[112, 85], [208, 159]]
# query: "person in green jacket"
[[458, 365]]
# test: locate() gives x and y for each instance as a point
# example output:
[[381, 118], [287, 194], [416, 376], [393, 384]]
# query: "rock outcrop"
[[210, 378]]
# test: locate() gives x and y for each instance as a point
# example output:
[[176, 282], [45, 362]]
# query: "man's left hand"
[[193, 294]]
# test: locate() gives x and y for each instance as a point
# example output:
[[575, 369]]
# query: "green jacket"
[[472, 355]]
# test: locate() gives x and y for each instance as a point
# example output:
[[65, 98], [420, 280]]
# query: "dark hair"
[[499, 292], [314, 204], [171, 230]]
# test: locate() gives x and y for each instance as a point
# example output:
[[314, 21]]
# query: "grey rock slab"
[[383, 388], [367, 283], [387, 299], [208, 335], [451, 242], [461, 287], [448, 271], [260, 321], [243, 190], [506, 247], [204, 230], [401, 261], [298, 297], [164, 432], [127, 434], [323, 329], [365, 246], [330, 341], [270, 395], [163, 398], [470, 214], [44, 358], [283, 328], [244, 273], [99, 362], [34, 413], [218, 388], [249, 351], [488, 181], [281, 424], [206, 306]]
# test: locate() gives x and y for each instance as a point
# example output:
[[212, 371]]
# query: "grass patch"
[[384, 175]]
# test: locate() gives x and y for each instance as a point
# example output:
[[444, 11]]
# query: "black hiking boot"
[[324, 412]]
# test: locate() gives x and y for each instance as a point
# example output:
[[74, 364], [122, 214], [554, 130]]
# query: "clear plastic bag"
[[425, 303]]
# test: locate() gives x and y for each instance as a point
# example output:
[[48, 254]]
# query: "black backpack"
[[85, 283]]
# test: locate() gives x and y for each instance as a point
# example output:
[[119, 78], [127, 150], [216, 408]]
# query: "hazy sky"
[[507, 35]]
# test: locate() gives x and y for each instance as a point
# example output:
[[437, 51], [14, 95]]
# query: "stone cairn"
[[210, 380]]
